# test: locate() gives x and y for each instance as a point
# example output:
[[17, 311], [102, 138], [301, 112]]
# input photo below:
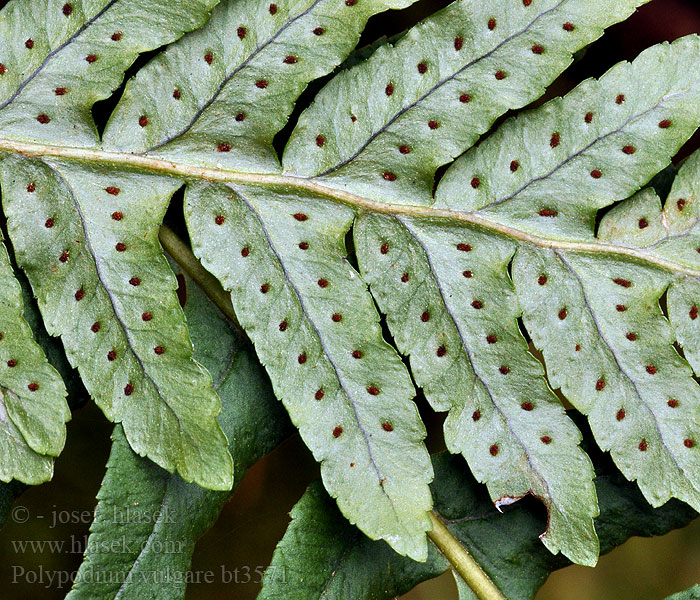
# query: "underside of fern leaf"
[[254, 423], [460, 282], [33, 410], [88, 238], [506, 251]]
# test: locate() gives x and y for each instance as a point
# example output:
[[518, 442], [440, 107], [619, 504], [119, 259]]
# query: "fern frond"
[[506, 249], [317, 331], [88, 238], [412, 107], [461, 299], [344, 386], [103, 285], [57, 62], [346, 123]]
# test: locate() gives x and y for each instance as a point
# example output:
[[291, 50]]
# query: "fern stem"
[[463, 562], [311, 186], [183, 256]]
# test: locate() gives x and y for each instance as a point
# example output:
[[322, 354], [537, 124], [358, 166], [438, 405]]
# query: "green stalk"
[[359, 203], [183, 256], [462, 561]]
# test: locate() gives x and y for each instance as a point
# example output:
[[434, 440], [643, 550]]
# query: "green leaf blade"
[[322, 556], [103, 284], [613, 357], [33, 409], [415, 106], [690, 594], [316, 331], [253, 60], [168, 515], [470, 358], [634, 130], [57, 65]]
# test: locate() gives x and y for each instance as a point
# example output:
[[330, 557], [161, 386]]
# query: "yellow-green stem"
[[314, 187], [183, 256], [463, 562]]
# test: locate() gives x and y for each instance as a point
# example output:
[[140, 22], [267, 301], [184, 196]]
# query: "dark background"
[[256, 518]]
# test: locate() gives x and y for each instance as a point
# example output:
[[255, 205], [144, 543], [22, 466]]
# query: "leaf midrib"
[[363, 204]]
